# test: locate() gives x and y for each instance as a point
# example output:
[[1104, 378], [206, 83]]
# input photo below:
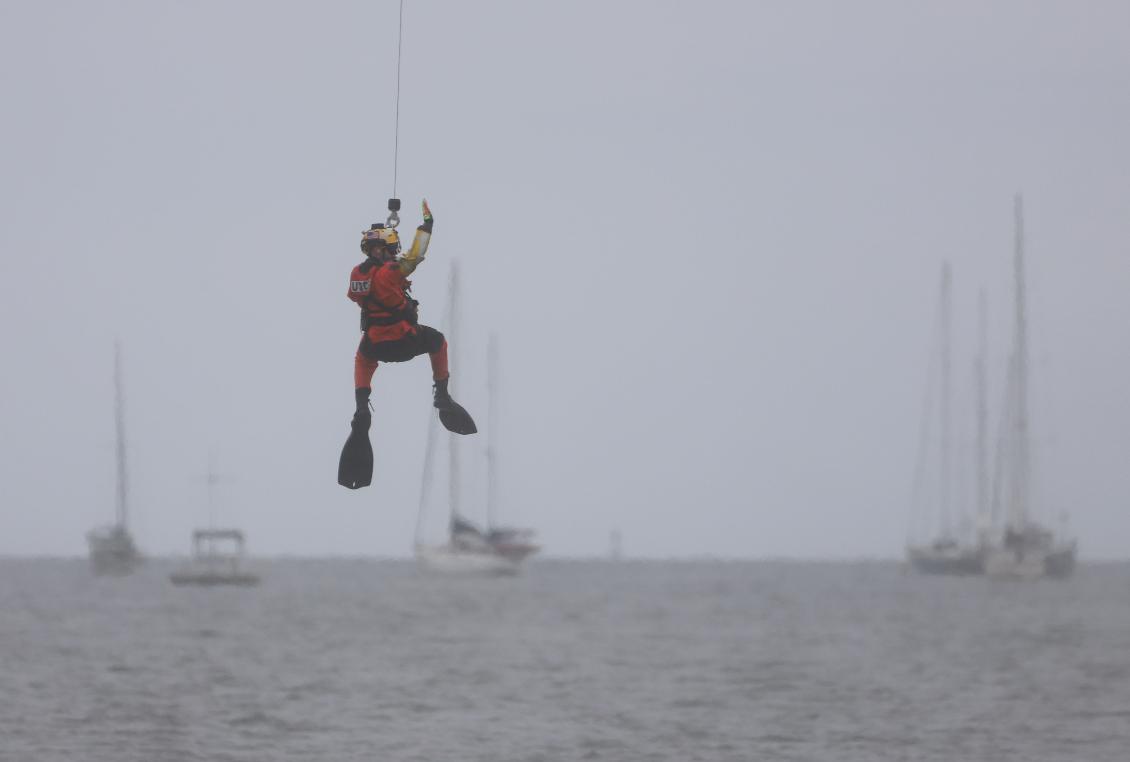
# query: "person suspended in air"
[[391, 332]]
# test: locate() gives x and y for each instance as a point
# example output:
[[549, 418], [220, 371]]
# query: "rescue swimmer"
[[391, 332]]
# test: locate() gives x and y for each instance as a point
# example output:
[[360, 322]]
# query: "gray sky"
[[708, 236]]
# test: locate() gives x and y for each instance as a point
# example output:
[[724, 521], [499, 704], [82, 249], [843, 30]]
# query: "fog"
[[708, 238]]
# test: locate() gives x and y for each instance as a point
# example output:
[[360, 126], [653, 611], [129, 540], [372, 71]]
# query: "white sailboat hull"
[[448, 559], [1055, 561], [1005, 564]]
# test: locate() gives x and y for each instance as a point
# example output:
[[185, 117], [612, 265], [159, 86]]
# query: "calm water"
[[366, 660]]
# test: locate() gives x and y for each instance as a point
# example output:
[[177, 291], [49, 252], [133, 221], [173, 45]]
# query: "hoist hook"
[[393, 216]]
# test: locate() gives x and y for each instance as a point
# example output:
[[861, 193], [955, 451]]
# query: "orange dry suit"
[[390, 330]]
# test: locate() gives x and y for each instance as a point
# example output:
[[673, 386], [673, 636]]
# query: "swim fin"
[[451, 414], [455, 418], [355, 469]]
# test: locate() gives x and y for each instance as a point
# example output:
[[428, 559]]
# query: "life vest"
[[381, 291]]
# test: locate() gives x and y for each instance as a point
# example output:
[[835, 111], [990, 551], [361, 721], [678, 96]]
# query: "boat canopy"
[[218, 534], [210, 542]]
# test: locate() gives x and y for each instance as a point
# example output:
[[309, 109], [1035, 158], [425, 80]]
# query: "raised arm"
[[410, 261]]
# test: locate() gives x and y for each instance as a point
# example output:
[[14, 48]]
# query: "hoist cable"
[[396, 131]]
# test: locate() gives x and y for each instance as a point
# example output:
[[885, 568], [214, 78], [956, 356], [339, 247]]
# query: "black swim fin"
[[451, 414], [355, 469], [455, 418]]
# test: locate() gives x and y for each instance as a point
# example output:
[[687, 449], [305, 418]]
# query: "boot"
[[362, 418], [451, 414], [440, 396]]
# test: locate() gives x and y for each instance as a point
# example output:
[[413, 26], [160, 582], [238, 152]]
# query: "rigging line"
[[921, 505], [396, 129]]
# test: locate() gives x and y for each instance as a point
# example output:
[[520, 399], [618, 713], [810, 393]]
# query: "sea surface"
[[376, 660]]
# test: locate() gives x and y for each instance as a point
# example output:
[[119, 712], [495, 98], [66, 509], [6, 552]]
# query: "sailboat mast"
[[982, 413], [122, 512], [1020, 451], [453, 349], [426, 478], [213, 479], [492, 415], [945, 402]]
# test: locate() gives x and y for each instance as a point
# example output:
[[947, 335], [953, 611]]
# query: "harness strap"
[[391, 316], [369, 320]]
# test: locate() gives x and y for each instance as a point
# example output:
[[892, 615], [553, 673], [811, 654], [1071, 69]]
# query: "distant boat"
[[1025, 549], [1031, 552], [470, 551], [495, 550], [217, 559], [112, 549], [946, 553]]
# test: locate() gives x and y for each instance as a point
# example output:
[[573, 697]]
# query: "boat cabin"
[[217, 558]]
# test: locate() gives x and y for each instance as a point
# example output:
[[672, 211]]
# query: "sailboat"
[[946, 553], [218, 555], [217, 559], [470, 549], [513, 543], [112, 549], [1026, 549]]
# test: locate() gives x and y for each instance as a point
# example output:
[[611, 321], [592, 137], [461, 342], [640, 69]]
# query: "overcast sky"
[[708, 236]]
